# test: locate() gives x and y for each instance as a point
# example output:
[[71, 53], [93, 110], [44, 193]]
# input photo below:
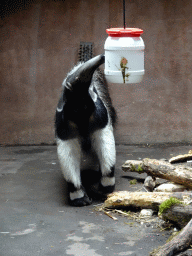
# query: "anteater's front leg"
[[69, 155]]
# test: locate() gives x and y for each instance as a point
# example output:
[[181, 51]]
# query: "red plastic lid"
[[127, 32]]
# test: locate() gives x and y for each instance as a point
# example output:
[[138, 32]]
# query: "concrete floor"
[[36, 220]]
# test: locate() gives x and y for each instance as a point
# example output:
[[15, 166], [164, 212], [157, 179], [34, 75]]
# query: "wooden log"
[[180, 214], [181, 158], [157, 168], [162, 169], [186, 253], [133, 166], [179, 244], [142, 199]]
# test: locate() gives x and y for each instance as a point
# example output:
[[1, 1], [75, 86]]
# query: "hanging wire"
[[124, 13]]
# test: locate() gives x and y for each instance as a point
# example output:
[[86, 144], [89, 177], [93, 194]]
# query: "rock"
[[150, 183], [170, 187], [146, 213]]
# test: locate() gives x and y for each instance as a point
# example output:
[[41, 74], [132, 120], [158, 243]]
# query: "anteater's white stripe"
[[107, 181], [77, 194], [69, 155]]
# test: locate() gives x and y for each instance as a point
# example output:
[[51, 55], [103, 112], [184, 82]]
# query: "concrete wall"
[[40, 43]]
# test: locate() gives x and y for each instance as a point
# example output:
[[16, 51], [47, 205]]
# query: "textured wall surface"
[[39, 43]]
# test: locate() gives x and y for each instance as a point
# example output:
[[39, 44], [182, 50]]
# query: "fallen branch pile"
[[143, 199], [179, 244], [180, 213], [179, 210], [156, 168]]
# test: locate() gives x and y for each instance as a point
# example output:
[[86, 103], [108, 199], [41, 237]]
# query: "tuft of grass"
[[133, 168], [139, 169], [167, 204], [130, 223], [133, 182]]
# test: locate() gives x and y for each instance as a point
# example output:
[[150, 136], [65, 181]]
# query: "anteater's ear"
[[83, 75]]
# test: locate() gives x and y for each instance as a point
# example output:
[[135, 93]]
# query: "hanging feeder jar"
[[124, 55]]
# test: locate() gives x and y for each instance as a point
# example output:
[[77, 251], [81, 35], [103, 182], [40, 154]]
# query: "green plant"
[[139, 169], [133, 182], [167, 204]]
